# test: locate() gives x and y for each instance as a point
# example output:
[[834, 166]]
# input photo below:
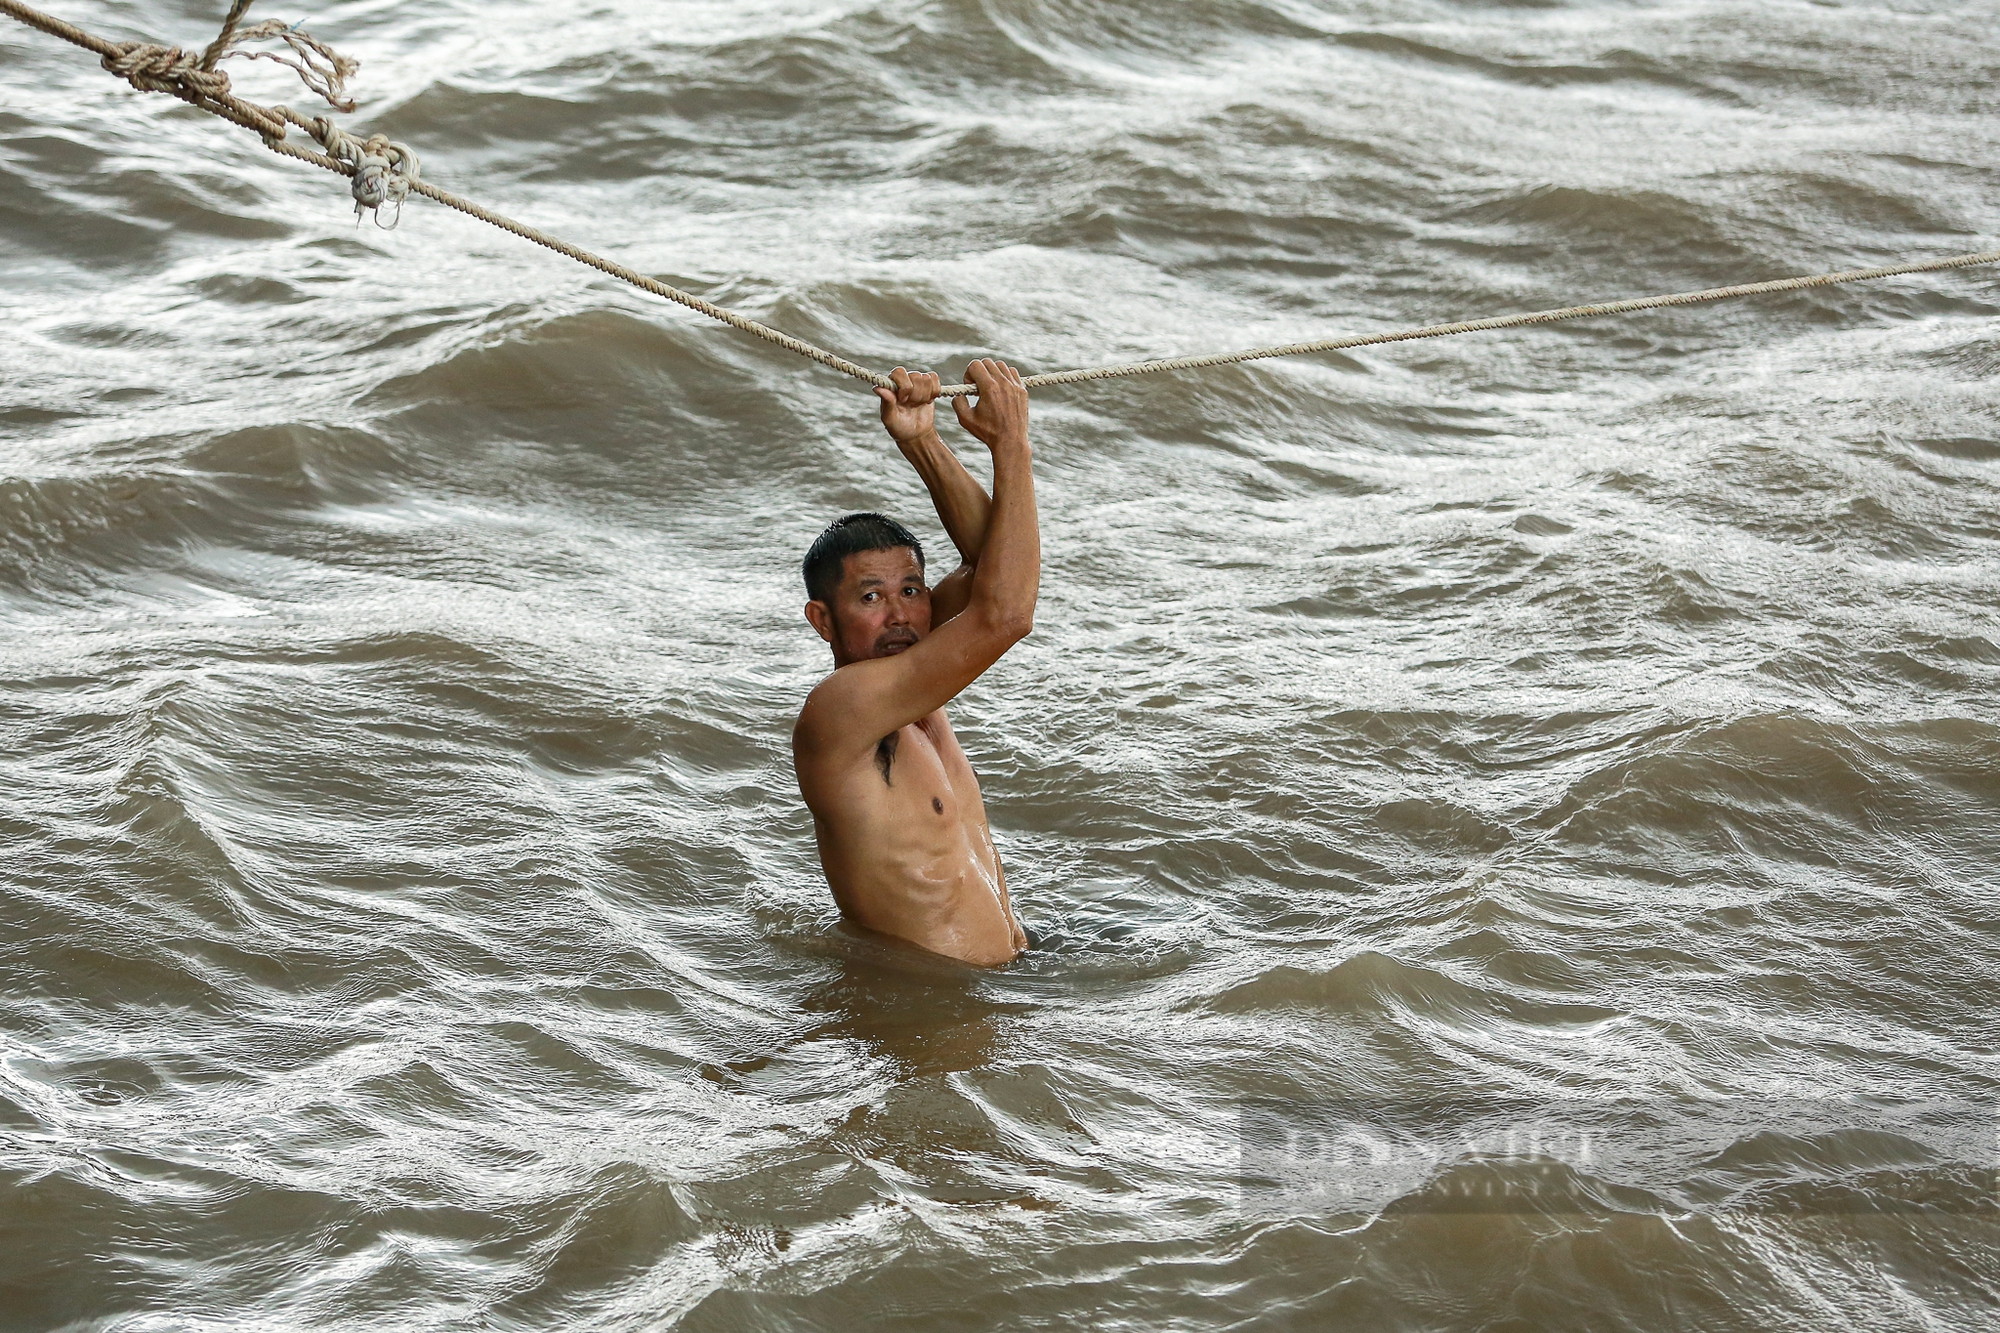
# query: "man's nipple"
[[937, 805]]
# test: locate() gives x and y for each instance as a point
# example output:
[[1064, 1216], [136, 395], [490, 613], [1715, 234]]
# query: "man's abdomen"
[[947, 900]]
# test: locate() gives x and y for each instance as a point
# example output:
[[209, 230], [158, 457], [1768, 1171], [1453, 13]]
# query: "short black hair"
[[826, 562]]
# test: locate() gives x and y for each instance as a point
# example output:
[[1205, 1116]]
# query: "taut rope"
[[383, 172], [1509, 321], [170, 70]]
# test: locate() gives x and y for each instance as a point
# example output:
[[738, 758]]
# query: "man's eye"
[[870, 596]]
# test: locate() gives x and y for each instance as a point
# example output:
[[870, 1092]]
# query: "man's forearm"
[[961, 502], [1010, 563]]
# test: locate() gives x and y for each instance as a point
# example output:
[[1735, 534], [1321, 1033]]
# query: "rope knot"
[[166, 69], [382, 170]]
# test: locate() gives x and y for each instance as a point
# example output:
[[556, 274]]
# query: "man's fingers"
[[991, 368]]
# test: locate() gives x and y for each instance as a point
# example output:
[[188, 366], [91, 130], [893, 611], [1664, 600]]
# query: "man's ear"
[[821, 616]]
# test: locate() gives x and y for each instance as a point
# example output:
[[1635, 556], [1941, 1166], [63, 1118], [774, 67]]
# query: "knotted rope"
[[392, 181], [383, 172], [166, 69], [195, 79]]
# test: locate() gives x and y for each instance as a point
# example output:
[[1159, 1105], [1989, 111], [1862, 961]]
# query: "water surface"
[[408, 916]]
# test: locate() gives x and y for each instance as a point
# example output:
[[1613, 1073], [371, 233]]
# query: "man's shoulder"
[[824, 697], [824, 731], [826, 722]]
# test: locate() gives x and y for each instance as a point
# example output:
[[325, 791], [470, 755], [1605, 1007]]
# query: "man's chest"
[[920, 792], [925, 757]]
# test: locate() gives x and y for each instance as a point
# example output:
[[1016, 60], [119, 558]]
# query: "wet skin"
[[896, 807]]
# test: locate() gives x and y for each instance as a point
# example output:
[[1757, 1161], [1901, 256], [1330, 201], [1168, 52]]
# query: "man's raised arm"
[[864, 701], [1009, 575], [961, 502]]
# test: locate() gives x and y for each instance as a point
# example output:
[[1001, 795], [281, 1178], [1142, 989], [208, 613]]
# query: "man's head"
[[865, 578]]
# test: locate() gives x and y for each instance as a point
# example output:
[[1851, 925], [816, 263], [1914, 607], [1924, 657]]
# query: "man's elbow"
[[1008, 624]]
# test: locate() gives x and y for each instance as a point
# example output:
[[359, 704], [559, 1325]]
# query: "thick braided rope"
[[170, 70]]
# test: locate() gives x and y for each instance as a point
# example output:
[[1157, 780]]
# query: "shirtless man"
[[896, 808]]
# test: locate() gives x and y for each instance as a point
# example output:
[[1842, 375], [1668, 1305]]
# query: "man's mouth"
[[891, 644]]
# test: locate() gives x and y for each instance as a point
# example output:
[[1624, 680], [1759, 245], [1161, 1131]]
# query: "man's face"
[[881, 607]]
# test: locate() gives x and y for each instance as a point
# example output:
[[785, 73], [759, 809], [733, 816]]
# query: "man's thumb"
[[888, 396], [963, 406]]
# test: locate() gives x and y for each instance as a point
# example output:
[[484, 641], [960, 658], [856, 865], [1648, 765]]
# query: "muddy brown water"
[[1434, 771]]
